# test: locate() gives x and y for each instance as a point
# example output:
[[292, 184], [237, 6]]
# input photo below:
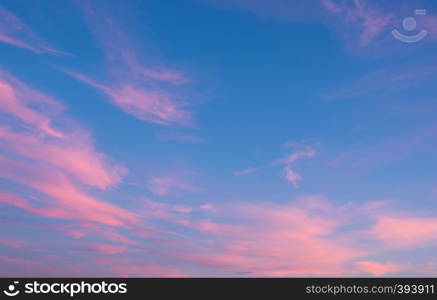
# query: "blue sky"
[[210, 138]]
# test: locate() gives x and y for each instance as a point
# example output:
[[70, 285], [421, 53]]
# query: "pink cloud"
[[367, 18], [430, 24], [127, 267], [59, 161], [183, 209], [283, 240], [295, 156], [16, 99], [160, 74], [56, 160], [359, 22], [216, 228], [173, 184], [380, 269], [74, 233], [17, 243], [15, 32], [96, 231], [147, 104], [304, 238], [307, 237], [290, 174], [66, 200], [159, 211], [75, 156], [430, 267], [25, 265], [73, 205], [109, 234], [405, 232], [292, 177], [331, 6], [110, 249], [155, 106], [147, 93]]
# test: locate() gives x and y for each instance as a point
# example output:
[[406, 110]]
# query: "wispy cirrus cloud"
[[149, 93], [15, 243], [70, 231], [368, 19], [172, 184], [298, 151], [15, 32], [288, 170], [364, 20], [148, 104], [17, 99], [361, 24], [110, 249]]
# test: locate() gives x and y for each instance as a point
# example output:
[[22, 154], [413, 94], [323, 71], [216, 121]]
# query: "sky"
[[218, 138]]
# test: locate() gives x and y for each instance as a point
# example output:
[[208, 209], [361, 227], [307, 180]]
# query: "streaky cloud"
[[146, 92], [15, 32], [48, 151]]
